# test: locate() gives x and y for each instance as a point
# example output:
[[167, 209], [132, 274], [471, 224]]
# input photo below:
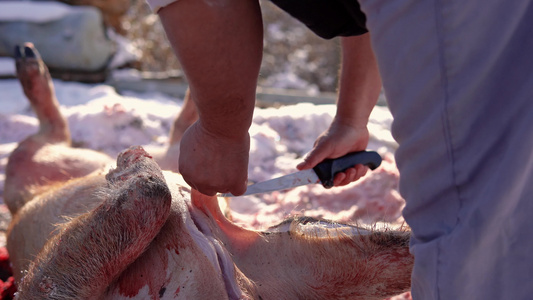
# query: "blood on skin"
[[137, 275], [176, 251], [153, 267], [133, 279]]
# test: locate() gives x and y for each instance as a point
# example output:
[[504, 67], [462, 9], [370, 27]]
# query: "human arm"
[[219, 45], [359, 88]]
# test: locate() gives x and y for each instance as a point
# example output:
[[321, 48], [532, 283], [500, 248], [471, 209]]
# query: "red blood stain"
[[171, 247], [149, 269]]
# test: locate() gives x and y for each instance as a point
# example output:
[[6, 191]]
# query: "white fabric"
[[459, 81]]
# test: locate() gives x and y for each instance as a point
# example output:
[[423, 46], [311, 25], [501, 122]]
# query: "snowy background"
[[103, 120]]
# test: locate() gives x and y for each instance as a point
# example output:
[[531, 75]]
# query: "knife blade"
[[323, 173]]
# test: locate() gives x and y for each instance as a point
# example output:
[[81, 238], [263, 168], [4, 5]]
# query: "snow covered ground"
[[101, 119]]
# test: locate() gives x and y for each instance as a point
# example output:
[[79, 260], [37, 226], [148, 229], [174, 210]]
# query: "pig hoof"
[[33, 73], [28, 61]]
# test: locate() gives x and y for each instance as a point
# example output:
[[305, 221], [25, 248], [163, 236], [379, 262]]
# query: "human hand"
[[211, 163], [338, 140]]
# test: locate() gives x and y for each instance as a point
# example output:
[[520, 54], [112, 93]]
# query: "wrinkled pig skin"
[[85, 227]]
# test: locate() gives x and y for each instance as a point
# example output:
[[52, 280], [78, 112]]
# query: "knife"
[[321, 173]]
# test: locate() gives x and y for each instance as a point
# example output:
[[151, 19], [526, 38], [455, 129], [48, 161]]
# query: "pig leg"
[[90, 251], [44, 158], [168, 160], [187, 116], [38, 87]]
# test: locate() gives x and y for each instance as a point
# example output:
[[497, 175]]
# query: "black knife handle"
[[328, 168]]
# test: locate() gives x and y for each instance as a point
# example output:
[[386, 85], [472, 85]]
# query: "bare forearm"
[[360, 82], [219, 44], [359, 88]]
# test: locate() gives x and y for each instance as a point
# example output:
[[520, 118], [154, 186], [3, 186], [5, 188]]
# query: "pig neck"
[[234, 237], [242, 244], [53, 127], [314, 259], [209, 220]]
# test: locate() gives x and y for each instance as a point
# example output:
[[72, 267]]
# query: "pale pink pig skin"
[[279, 140]]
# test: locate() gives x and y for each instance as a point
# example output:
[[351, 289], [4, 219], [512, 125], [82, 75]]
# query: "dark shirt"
[[327, 18]]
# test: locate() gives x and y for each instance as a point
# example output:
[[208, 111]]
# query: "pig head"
[[85, 227]]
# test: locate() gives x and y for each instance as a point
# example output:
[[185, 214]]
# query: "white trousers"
[[458, 76]]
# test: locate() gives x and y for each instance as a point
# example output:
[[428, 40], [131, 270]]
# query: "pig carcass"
[[87, 227]]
